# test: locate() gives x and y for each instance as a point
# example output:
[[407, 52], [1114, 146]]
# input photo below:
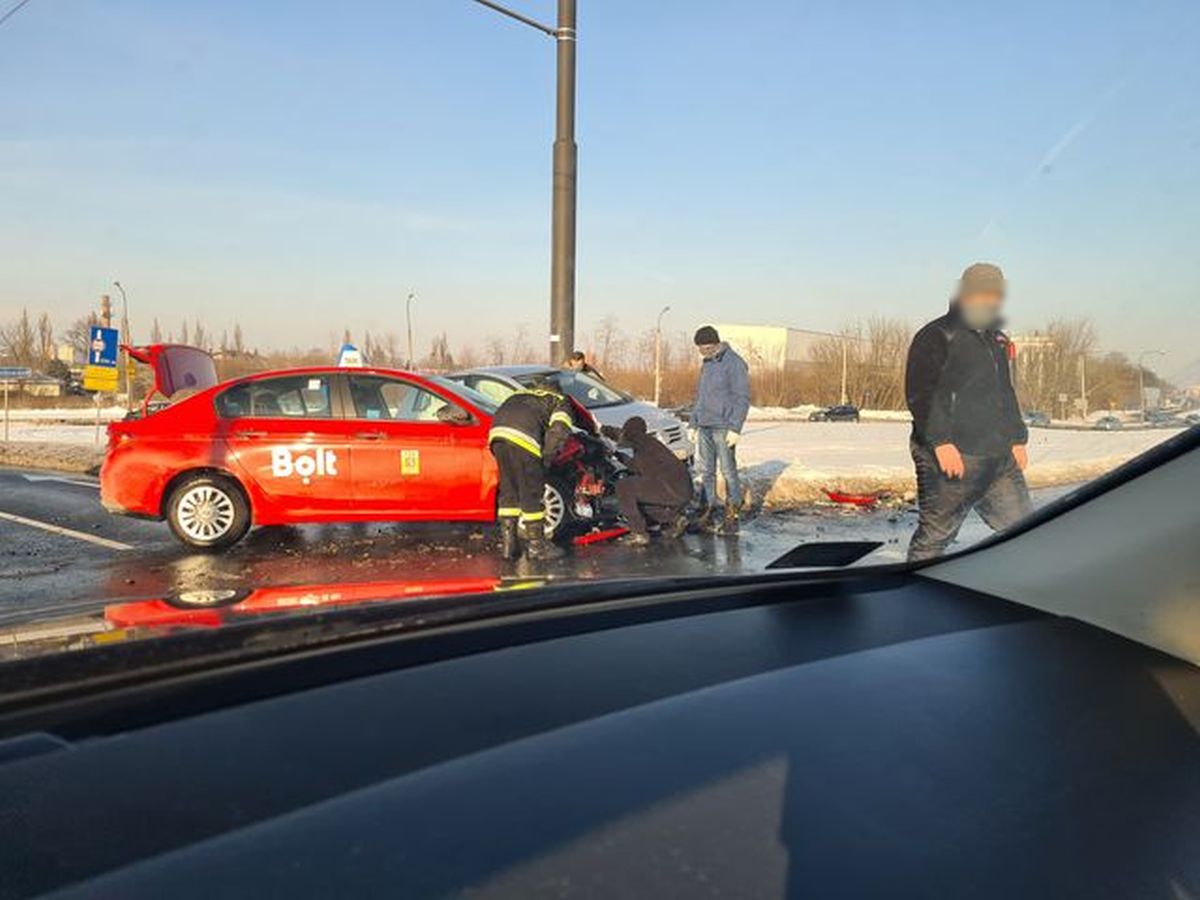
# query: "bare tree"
[[519, 350], [389, 348], [440, 358], [493, 350], [156, 335], [607, 336], [45, 338], [77, 334], [1048, 368], [468, 357], [18, 341], [239, 343]]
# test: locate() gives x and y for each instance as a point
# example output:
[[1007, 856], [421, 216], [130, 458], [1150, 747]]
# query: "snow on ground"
[[791, 463], [57, 432], [801, 414], [67, 414]]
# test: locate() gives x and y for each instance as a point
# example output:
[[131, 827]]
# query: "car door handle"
[[370, 435], [249, 434]]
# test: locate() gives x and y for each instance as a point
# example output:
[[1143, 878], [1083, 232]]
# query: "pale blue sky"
[[301, 166]]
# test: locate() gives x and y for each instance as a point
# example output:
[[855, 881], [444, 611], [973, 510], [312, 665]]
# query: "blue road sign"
[[14, 373], [102, 347]]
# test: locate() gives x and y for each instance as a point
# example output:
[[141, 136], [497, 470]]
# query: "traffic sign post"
[[100, 373], [9, 374]]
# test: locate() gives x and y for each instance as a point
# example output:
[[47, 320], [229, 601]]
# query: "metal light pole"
[[658, 355], [565, 181], [1142, 379], [408, 316], [1083, 390], [844, 348], [128, 339]]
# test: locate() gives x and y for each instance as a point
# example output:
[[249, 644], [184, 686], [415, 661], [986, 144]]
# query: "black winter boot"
[[510, 547], [540, 547], [704, 521]]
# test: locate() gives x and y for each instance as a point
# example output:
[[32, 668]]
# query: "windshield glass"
[[481, 401], [884, 279], [591, 392]]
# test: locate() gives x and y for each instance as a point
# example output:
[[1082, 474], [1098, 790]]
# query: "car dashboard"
[[842, 735]]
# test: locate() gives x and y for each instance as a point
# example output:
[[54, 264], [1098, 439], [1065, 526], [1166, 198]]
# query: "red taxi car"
[[321, 444]]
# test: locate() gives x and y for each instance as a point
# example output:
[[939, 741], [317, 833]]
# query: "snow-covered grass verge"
[[791, 464], [67, 414]]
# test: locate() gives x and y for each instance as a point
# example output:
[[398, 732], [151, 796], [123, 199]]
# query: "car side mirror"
[[454, 415]]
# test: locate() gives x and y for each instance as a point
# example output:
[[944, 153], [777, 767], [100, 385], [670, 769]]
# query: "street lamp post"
[[658, 355], [128, 339], [1142, 379], [408, 317], [565, 179], [844, 370]]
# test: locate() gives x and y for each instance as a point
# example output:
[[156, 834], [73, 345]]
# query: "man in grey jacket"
[[722, 402]]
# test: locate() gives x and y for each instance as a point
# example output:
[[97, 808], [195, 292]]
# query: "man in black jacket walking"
[[660, 486], [968, 438]]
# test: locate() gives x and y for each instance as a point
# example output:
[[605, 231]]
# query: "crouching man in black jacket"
[[968, 438], [659, 488]]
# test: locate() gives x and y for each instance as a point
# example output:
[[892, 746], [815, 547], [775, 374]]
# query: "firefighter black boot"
[[540, 547], [510, 547]]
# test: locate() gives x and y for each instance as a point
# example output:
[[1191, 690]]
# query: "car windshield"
[[482, 401], [883, 281], [590, 391]]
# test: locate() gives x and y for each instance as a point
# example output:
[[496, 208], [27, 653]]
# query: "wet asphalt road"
[[105, 558]]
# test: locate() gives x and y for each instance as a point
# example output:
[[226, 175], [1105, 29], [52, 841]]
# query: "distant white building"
[[770, 346]]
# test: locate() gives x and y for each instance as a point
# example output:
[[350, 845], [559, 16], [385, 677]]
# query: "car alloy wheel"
[[556, 509], [205, 513]]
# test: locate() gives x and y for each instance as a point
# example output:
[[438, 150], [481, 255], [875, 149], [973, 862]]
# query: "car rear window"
[[289, 397]]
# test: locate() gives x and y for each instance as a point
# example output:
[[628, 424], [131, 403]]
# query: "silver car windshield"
[[591, 392]]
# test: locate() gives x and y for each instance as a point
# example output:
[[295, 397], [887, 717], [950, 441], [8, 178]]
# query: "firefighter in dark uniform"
[[529, 427]]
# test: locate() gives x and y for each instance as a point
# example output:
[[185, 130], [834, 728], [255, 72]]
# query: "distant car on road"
[[610, 406], [1160, 418], [1036, 419], [1108, 423], [841, 413]]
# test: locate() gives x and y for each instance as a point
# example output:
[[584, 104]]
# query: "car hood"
[[616, 416]]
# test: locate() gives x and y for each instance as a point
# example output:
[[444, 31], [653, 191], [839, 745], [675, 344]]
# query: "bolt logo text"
[[285, 463]]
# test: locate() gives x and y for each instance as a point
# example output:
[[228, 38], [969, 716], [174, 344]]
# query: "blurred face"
[[708, 350], [576, 364], [981, 309]]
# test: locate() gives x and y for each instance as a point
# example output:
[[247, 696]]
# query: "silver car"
[[609, 405]]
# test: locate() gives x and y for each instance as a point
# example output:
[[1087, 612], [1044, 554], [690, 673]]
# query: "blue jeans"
[[713, 451]]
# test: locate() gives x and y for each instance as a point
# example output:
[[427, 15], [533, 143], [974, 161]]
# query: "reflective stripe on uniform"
[[513, 436], [508, 512], [533, 516], [562, 418]]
